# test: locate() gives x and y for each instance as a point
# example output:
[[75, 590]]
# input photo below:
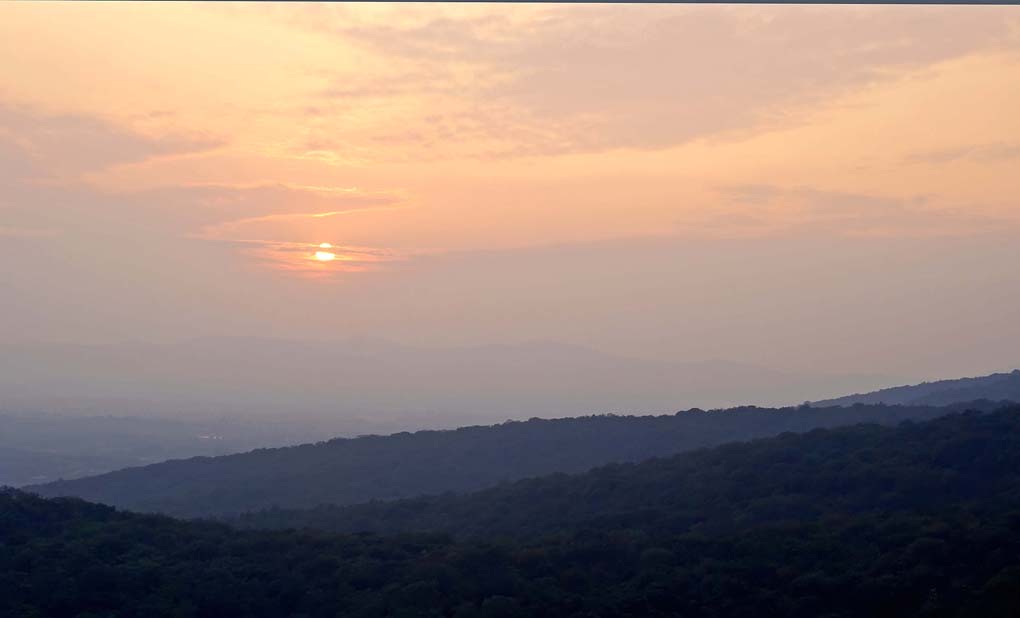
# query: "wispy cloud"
[[558, 80], [980, 153], [752, 209], [66, 145]]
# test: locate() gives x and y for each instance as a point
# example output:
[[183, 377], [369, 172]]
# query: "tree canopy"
[[922, 519]]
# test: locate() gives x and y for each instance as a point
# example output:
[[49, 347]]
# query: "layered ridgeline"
[[964, 460], [917, 520], [350, 471], [994, 387]]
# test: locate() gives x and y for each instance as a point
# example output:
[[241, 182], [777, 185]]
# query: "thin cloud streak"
[[980, 153]]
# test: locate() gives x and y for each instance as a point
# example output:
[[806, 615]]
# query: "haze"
[[529, 209]]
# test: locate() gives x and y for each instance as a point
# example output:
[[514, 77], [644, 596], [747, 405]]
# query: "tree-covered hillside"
[[867, 538], [968, 460], [350, 471], [994, 387]]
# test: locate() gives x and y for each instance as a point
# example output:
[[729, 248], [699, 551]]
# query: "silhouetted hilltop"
[[349, 471], [994, 387]]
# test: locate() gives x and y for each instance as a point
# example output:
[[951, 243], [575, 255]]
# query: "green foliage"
[[918, 520]]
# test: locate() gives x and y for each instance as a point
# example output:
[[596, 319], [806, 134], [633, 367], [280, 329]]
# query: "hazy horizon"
[[379, 380], [376, 386]]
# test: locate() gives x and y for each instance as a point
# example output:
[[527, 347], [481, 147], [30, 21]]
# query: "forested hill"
[[969, 459], [917, 520], [994, 387], [349, 471]]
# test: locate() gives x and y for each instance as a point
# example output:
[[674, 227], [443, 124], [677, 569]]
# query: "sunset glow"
[[510, 171]]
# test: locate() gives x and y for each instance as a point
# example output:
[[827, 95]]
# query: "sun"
[[325, 256]]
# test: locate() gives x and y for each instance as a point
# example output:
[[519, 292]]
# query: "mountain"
[[348, 471], [958, 459], [994, 387], [38, 447], [922, 519]]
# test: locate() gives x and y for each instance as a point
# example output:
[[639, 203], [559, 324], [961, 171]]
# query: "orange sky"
[[195, 156]]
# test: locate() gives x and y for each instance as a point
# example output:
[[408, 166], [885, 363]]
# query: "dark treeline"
[[918, 520], [351, 471]]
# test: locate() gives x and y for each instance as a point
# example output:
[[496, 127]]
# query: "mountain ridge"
[[995, 387], [695, 491], [352, 470]]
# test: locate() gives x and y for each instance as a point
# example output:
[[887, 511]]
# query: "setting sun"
[[325, 256]]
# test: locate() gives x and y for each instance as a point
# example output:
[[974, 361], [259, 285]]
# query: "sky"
[[827, 189]]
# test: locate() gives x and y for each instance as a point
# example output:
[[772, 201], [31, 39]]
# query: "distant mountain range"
[[994, 387], [349, 471]]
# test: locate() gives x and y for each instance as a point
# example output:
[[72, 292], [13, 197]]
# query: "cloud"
[[174, 210], [49, 146], [289, 242], [128, 234], [980, 153], [763, 209], [266, 224], [208, 206], [588, 78], [273, 224], [37, 147]]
